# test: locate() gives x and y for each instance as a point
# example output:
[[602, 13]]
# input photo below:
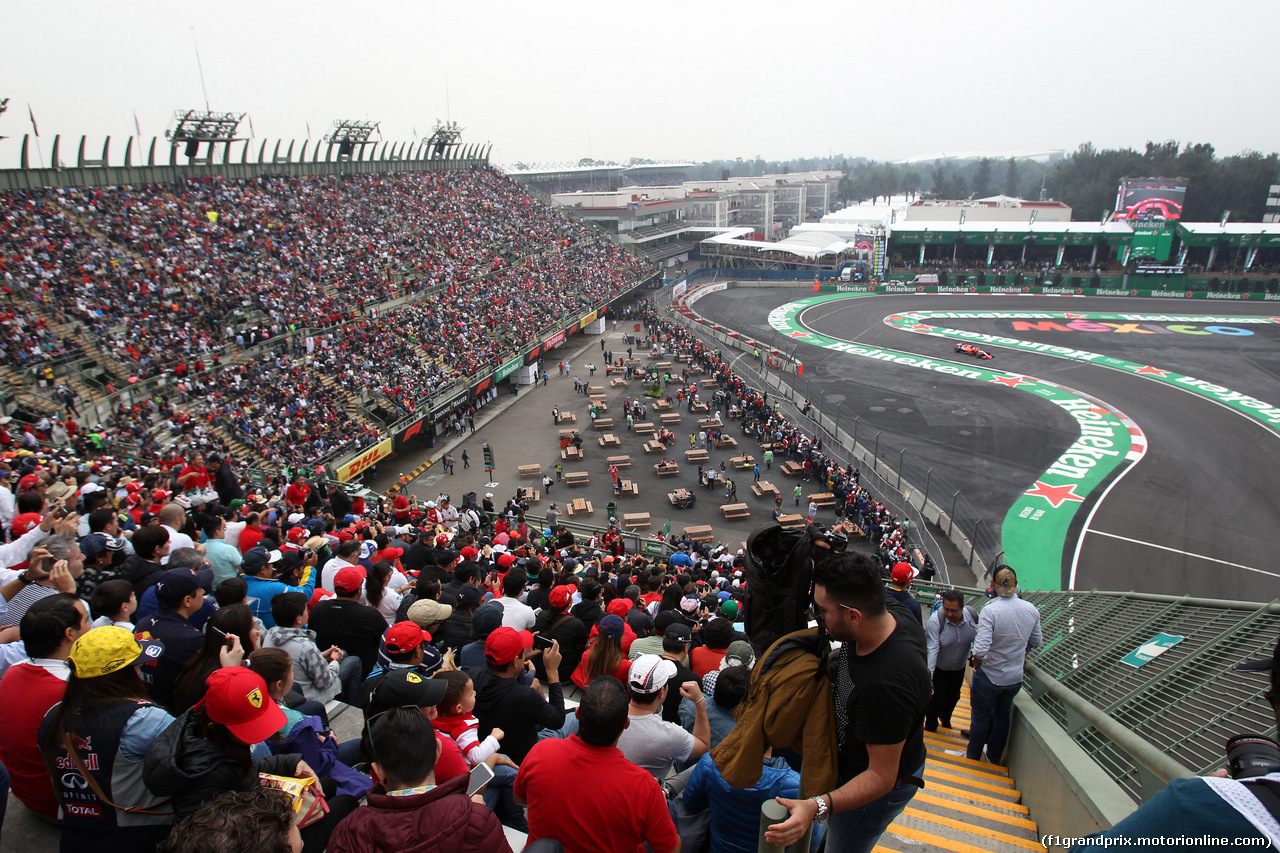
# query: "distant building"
[[996, 208]]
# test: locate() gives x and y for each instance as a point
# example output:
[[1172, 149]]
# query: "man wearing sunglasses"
[[881, 688]]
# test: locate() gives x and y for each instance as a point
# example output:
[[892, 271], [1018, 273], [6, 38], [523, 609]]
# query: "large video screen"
[[1150, 199]]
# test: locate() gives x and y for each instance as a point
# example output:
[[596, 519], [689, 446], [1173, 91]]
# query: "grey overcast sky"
[[555, 81]]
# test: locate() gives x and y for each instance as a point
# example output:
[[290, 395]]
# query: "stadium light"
[[195, 126], [445, 134], [348, 133]]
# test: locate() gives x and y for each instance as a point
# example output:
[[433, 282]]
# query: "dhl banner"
[[361, 463]]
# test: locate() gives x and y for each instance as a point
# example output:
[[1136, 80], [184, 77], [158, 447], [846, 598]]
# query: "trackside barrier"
[[974, 539]]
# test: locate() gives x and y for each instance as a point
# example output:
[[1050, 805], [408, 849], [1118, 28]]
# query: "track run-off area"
[[1118, 447]]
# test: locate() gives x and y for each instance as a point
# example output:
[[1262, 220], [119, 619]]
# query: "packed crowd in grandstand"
[[177, 280]]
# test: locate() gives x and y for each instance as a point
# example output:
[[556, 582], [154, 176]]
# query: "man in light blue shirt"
[[948, 635], [223, 559], [1007, 627]]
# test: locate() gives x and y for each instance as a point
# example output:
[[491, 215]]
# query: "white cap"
[[431, 504]]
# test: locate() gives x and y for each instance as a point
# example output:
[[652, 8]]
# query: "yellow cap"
[[102, 651]]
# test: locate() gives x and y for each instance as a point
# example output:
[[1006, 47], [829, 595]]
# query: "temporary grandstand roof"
[[1248, 234], [807, 245], [1013, 233]]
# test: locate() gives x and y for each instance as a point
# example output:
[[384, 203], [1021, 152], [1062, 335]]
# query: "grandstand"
[[222, 288]]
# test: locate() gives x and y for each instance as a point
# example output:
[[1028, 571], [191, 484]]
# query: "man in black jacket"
[[344, 622], [503, 703]]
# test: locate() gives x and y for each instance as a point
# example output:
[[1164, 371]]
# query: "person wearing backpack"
[[949, 634]]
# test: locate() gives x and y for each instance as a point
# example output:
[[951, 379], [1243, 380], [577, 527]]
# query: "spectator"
[[900, 579], [515, 613], [604, 657], [880, 730], [28, 690], [113, 603], [717, 634], [224, 558], [408, 806], [502, 702], [344, 622], [143, 567], [1007, 627], [179, 594], [270, 573], [205, 751], [320, 675], [557, 772], [949, 636], [407, 647], [102, 728], [555, 622], [230, 636], [650, 741], [258, 820]]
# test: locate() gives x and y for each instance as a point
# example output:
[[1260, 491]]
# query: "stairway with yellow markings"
[[966, 806]]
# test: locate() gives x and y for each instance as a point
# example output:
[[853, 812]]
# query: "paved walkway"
[[521, 432]]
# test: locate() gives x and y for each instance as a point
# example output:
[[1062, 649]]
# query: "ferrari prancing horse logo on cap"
[[255, 697]]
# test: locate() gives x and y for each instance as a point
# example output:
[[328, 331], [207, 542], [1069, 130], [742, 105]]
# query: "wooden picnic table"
[[700, 533], [643, 428], [654, 447], [709, 423], [669, 418], [579, 506], [744, 461], [700, 406], [593, 390], [696, 454], [610, 440], [723, 440], [663, 365], [620, 461], [577, 478], [618, 382], [732, 511], [634, 520], [791, 521], [678, 496], [661, 406], [530, 470], [764, 489], [667, 470], [823, 498], [571, 454], [709, 383], [568, 417], [792, 469], [602, 423], [628, 487]]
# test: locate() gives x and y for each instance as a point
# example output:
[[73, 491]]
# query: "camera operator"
[[1241, 801]]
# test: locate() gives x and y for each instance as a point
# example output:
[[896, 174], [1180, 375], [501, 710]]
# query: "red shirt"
[[199, 481], [27, 693], [249, 537], [449, 760], [297, 494], [703, 660], [552, 778]]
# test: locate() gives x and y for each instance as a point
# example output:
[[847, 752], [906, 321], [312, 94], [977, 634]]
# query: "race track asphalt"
[[1198, 515]]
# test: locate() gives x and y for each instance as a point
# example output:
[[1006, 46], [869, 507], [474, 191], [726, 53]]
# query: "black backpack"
[[778, 570]]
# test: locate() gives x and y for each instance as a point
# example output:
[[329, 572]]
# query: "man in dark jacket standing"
[[503, 703], [556, 623], [344, 622]]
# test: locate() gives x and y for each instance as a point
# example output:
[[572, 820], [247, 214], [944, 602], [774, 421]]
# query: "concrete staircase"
[[966, 806]]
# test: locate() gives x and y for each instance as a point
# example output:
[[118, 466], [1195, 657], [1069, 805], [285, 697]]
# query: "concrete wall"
[[1068, 793]]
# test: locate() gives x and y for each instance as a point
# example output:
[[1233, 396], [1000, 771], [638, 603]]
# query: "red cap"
[[349, 579], [297, 534], [318, 596], [405, 637], [505, 645], [620, 606], [391, 554], [442, 540], [135, 486], [343, 536], [469, 553], [237, 698], [561, 596], [161, 495], [903, 572], [505, 560], [27, 482], [26, 522]]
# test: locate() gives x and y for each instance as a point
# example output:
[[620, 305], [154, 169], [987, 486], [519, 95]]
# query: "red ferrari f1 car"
[[970, 349]]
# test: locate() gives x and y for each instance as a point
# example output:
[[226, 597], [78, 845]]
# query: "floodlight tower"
[[347, 134], [443, 137], [193, 127]]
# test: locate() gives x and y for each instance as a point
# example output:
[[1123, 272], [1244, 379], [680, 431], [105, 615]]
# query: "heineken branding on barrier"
[[1035, 528], [507, 369]]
